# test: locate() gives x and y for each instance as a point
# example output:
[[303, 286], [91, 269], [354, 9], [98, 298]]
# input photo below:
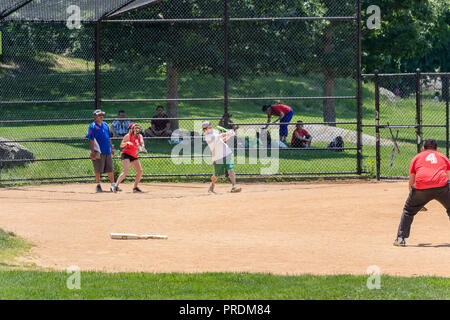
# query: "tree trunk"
[[172, 93], [329, 110]]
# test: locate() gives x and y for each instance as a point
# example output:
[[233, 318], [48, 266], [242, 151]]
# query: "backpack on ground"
[[337, 142]]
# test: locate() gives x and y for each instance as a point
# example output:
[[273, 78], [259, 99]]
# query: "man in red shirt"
[[300, 138], [285, 114], [429, 174]]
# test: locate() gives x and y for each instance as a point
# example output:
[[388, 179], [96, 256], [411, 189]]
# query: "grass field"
[[68, 81], [11, 246], [210, 286]]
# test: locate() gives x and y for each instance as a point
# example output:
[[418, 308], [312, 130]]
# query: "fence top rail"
[[106, 119], [406, 126], [222, 19], [161, 99], [437, 74], [292, 98], [370, 75], [46, 101], [230, 99], [182, 119], [107, 100], [185, 20], [177, 99], [290, 123]]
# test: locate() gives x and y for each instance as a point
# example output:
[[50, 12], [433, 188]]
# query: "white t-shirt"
[[219, 149]]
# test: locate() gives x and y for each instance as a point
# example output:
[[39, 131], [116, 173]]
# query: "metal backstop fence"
[[408, 108], [200, 60]]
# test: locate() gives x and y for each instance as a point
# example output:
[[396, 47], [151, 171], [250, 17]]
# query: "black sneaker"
[[400, 242], [99, 188], [118, 189], [136, 190]]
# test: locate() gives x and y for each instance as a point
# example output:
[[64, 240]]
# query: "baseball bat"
[[229, 132], [393, 139], [222, 128], [393, 154], [132, 236]]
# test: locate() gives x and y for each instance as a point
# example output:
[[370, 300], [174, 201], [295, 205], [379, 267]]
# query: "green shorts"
[[221, 167]]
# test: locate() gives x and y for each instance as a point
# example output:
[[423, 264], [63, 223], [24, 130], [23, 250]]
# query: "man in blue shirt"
[[102, 149], [119, 128]]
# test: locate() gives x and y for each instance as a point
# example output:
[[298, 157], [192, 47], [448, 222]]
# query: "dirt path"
[[317, 228]]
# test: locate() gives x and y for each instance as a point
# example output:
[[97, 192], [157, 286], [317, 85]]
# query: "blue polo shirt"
[[100, 135]]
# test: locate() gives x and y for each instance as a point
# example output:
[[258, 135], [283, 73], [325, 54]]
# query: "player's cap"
[[98, 112], [265, 107], [206, 124], [299, 122]]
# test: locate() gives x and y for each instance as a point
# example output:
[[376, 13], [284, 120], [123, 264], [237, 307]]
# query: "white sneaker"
[[236, 189]]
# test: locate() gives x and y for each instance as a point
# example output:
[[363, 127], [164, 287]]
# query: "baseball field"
[[303, 240]]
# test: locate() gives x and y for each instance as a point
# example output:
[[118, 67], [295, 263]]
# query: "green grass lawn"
[[67, 81], [11, 246], [18, 284]]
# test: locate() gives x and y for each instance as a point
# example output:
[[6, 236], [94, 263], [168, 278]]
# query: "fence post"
[[377, 124], [97, 38], [359, 90], [418, 110], [226, 61], [445, 89]]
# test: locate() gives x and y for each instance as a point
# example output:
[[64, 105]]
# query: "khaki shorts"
[[104, 164]]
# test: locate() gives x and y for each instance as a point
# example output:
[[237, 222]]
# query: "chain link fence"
[[409, 108], [200, 60]]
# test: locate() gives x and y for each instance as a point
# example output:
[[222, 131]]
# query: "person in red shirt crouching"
[[429, 174], [300, 138]]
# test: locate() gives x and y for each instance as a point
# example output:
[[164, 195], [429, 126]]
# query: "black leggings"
[[417, 199]]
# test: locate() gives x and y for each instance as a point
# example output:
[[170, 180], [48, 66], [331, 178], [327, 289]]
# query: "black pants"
[[417, 199], [298, 144]]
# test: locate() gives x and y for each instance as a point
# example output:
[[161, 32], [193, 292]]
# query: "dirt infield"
[[281, 228]]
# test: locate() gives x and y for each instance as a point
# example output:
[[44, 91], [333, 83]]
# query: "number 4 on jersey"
[[432, 158]]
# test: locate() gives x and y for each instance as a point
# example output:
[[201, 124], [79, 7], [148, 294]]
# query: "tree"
[[328, 46], [413, 33]]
